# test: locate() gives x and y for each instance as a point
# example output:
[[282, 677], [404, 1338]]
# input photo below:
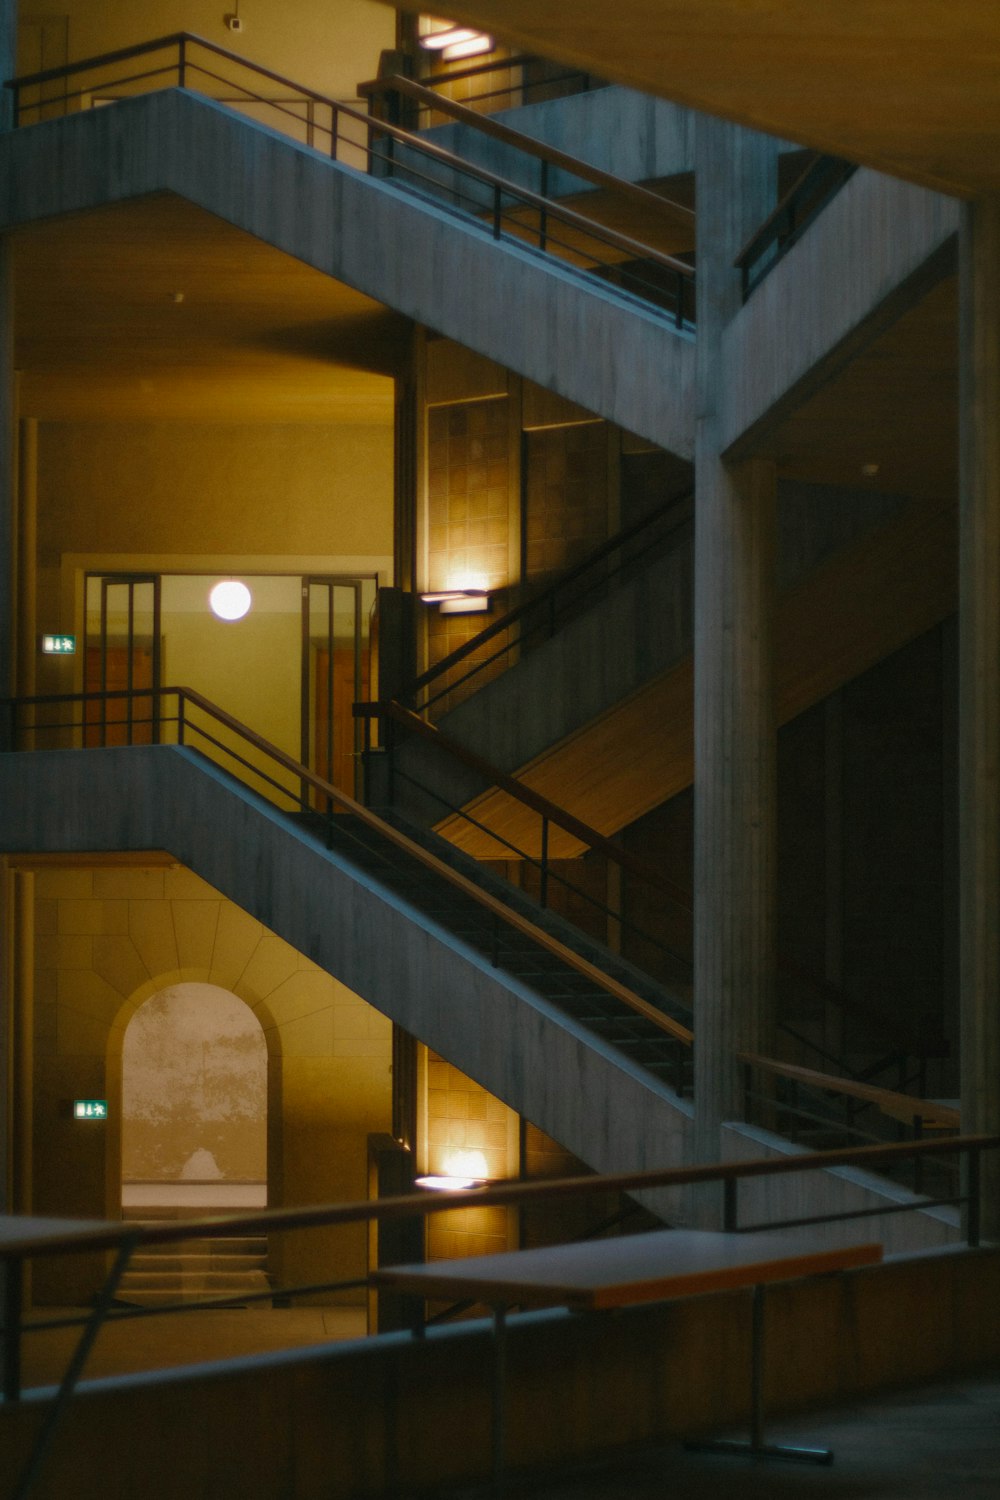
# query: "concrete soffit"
[[620, 361]]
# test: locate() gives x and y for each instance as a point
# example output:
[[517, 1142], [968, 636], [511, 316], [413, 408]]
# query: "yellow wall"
[[152, 495], [151, 488], [108, 938], [331, 45]]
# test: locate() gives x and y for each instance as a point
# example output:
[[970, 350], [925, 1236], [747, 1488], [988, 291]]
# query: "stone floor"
[[940, 1442]]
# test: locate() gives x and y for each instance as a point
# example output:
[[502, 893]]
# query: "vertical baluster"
[[543, 218], [543, 890], [182, 62]]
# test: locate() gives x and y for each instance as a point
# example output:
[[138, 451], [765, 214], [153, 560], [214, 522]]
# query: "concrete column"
[[979, 683], [734, 701], [27, 562]]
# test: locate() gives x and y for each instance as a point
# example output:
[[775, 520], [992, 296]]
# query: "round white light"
[[230, 600]]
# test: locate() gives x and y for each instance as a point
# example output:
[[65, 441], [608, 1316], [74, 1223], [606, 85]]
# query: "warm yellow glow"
[[465, 1164], [451, 40], [230, 600]]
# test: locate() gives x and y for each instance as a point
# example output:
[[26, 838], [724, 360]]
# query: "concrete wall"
[[397, 1415], [108, 939]]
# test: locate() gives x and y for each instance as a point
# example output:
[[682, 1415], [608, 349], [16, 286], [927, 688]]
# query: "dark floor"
[[927, 1444]]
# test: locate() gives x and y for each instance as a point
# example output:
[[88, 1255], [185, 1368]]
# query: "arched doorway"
[[194, 1103]]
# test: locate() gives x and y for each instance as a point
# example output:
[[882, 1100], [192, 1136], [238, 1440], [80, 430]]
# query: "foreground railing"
[[23, 1240], [353, 137]]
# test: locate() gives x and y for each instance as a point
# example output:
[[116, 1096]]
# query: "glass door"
[[335, 676], [122, 655]]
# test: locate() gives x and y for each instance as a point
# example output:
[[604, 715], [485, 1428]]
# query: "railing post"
[[973, 1182], [310, 122], [180, 718], [543, 192], [496, 211], [335, 134], [730, 1206], [543, 886], [918, 1161], [182, 63], [11, 1331]]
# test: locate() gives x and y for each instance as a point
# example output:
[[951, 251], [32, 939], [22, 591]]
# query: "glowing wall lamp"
[[459, 601], [462, 1169], [451, 40], [230, 599]]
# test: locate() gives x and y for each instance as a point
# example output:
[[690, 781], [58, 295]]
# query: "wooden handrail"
[[530, 145], [528, 796], [508, 1194], [904, 1107], [385, 830]]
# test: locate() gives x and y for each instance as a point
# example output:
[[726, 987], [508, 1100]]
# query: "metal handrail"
[[543, 602], [498, 910], [625, 251], [530, 145], [519, 60]]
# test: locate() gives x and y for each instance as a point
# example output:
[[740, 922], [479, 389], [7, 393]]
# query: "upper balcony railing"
[[497, 83], [354, 138]]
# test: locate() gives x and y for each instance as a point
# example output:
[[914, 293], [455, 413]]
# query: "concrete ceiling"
[[257, 336], [909, 86]]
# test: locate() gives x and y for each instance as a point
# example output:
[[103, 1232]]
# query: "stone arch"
[[114, 1065], [194, 1100]]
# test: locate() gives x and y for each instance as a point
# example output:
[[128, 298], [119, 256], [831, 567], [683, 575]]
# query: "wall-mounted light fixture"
[[452, 40], [230, 599], [461, 1169], [459, 601]]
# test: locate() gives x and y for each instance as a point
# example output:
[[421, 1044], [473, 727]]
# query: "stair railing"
[[800, 1102], [552, 821], [548, 610], [570, 81], [786, 224], [661, 282], [548, 157], [491, 843], [289, 785]]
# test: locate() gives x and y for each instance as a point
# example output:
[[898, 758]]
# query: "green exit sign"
[[90, 1109], [58, 645]]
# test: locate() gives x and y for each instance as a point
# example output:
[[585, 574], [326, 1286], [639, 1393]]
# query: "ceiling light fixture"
[[230, 599]]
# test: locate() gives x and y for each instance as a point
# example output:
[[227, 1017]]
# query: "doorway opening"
[[291, 668], [194, 1104]]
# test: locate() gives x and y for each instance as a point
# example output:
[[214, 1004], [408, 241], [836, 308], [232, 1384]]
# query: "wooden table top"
[[633, 1268]]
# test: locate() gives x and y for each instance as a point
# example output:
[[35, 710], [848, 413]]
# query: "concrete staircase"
[[192, 1270]]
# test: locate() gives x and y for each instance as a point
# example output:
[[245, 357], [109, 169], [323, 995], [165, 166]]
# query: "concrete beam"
[[870, 255]]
